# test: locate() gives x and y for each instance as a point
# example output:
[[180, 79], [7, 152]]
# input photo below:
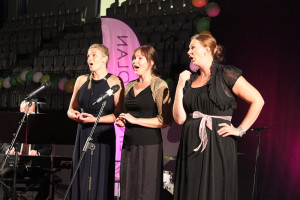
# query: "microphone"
[[43, 86], [107, 94], [259, 129]]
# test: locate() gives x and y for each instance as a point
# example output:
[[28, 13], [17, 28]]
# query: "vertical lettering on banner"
[[123, 68], [121, 42]]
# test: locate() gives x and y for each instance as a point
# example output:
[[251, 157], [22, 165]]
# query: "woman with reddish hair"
[[204, 103]]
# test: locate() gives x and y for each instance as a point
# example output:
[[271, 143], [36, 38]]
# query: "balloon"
[[203, 24], [45, 78], [18, 79], [168, 80], [193, 67], [29, 75], [61, 83], [6, 82], [170, 83], [205, 32], [1, 80], [37, 77], [23, 75], [13, 81], [69, 86], [54, 82], [199, 3], [212, 9]]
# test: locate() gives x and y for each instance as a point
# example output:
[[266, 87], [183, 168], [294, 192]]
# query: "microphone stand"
[[91, 146], [255, 181], [16, 154]]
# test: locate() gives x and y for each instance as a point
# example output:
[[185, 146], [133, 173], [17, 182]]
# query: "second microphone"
[[107, 94]]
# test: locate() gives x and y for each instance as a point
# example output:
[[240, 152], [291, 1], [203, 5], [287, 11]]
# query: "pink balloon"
[[61, 83], [193, 67], [212, 9]]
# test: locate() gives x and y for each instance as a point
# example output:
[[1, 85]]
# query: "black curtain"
[[22, 6], [262, 38], [4, 12]]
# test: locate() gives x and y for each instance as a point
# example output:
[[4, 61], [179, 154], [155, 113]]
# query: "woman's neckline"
[[98, 80], [101, 78], [199, 86]]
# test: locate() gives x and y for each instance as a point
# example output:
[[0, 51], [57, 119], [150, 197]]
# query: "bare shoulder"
[[81, 79], [113, 80]]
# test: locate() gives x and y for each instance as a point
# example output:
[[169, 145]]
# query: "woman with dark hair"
[[204, 103], [87, 90], [147, 109]]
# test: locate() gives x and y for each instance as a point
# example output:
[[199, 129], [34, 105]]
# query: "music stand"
[[53, 128], [15, 135], [8, 123]]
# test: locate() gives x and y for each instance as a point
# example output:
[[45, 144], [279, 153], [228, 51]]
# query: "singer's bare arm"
[[251, 95], [179, 113], [73, 111]]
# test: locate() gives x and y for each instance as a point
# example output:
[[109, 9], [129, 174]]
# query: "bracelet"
[[240, 131]]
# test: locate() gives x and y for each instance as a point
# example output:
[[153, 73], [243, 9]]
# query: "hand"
[[76, 116], [33, 153], [128, 117], [86, 118], [12, 152], [183, 78], [120, 122], [24, 106], [227, 130]]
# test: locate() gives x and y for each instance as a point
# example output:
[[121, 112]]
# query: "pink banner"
[[121, 42]]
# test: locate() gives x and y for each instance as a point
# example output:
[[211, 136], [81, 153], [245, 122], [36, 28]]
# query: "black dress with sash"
[[211, 174]]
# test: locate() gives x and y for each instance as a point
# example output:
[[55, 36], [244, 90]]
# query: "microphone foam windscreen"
[[115, 88]]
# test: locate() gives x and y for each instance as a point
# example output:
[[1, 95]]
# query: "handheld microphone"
[[107, 94], [259, 129], [43, 86]]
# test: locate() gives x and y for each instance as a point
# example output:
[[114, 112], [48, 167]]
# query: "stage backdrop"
[[121, 42], [264, 42]]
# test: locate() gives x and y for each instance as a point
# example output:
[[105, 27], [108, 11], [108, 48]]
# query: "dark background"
[[262, 38]]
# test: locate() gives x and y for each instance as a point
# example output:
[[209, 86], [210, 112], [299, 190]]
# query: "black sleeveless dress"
[[103, 169], [211, 174]]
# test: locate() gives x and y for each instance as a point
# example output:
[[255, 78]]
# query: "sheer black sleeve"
[[230, 75], [220, 85]]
